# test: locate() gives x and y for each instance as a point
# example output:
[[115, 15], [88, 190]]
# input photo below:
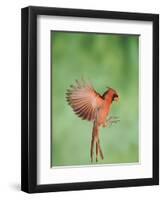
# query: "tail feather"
[[95, 133]]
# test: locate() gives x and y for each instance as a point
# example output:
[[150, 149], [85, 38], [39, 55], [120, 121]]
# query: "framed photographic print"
[[90, 99]]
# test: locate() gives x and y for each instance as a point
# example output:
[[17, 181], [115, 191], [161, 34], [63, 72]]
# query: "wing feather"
[[84, 100]]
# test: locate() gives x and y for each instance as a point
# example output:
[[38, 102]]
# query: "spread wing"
[[84, 100]]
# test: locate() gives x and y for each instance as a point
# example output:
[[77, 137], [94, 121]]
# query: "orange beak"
[[116, 99]]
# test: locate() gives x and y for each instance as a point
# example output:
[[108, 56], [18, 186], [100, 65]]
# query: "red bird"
[[91, 106]]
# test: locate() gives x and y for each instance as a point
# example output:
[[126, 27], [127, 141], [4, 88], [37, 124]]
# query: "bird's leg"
[[112, 120], [105, 124]]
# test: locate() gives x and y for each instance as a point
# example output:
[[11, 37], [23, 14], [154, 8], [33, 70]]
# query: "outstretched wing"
[[84, 100]]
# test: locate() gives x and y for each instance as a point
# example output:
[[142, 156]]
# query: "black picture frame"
[[29, 98]]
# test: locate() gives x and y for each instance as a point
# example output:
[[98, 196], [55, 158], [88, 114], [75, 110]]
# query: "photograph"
[[90, 99], [94, 99]]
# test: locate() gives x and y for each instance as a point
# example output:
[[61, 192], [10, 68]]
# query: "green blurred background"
[[106, 60]]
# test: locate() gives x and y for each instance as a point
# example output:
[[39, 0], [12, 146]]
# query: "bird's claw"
[[112, 120]]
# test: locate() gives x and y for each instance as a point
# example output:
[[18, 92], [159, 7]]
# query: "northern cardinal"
[[90, 105]]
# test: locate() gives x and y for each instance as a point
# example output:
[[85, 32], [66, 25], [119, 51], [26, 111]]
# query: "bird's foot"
[[112, 120]]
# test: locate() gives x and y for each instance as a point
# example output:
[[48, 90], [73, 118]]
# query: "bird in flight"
[[90, 105]]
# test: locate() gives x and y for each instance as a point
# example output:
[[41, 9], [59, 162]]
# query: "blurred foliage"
[[106, 60]]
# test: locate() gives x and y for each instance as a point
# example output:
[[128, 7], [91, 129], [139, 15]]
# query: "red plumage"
[[90, 105]]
